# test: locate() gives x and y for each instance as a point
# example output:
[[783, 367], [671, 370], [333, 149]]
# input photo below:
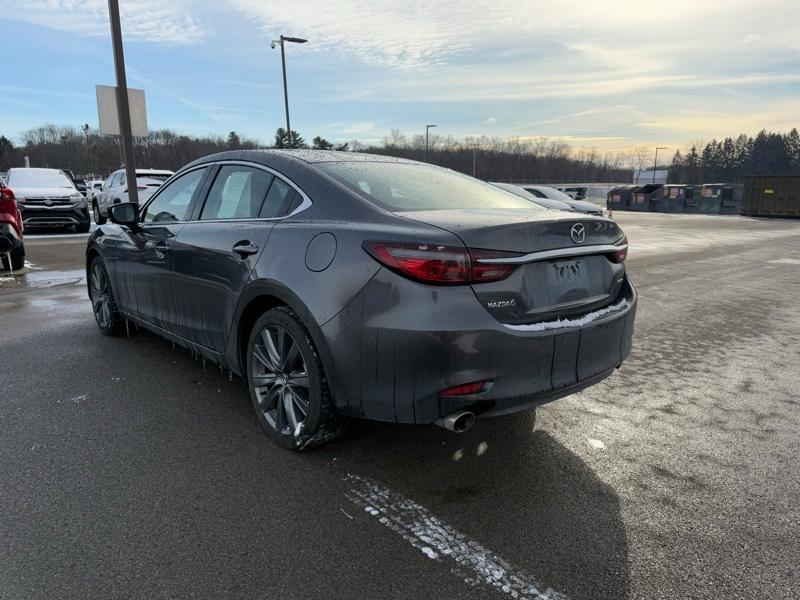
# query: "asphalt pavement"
[[128, 469]]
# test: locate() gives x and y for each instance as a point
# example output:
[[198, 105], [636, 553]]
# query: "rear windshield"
[[405, 187], [156, 176], [38, 178]]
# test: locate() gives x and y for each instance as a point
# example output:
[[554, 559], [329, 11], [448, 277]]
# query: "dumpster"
[[619, 198], [671, 198], [723, 198], [771, 196], [641, 197]]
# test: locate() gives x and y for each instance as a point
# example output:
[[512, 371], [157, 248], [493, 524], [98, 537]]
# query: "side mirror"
[[125, 213]]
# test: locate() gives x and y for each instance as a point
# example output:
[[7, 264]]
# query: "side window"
[[173, 200], [279, 199], [238, 193]]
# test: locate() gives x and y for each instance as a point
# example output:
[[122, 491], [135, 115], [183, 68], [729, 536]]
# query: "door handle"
[[162, 247], [245, 249]]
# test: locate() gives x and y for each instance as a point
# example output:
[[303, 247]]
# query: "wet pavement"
[[131, 470]]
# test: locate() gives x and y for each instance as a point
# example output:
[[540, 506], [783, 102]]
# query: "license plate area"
[[568, 279]]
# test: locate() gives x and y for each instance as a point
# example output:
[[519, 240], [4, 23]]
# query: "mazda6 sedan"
[[346, 285]]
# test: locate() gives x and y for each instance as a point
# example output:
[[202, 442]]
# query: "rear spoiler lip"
[[557, 253]]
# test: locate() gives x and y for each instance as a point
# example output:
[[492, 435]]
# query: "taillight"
[[9, 209], [441, 265], [429, 263], [483, 272], [622, 254]]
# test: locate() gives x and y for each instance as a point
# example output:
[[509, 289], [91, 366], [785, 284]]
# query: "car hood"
[[43, 192]]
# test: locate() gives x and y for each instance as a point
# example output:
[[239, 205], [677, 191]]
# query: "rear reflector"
[[621, 255], [466, 389], [437, 264]]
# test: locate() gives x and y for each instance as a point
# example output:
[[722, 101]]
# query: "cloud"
[[142, 20], [403, 34]]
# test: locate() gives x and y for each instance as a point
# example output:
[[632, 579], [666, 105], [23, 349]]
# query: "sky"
[[603, 74]]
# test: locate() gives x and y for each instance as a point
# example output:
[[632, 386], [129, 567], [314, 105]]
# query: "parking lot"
[[132, 470]]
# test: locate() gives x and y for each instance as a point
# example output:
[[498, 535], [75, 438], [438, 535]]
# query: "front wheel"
[[104, 305], [287, 383]]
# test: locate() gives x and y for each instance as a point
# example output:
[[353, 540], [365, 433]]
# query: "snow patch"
[[467, 559], [596, 444], [579, 322], [785, 261]]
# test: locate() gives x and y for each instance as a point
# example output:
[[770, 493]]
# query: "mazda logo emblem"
[[578, 233]]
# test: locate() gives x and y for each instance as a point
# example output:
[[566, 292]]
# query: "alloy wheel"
[[280, 380], [100, 294]]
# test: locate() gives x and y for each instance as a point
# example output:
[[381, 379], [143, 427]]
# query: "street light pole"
[[281, 42], [123, 111], [427, 129], [655, 162], [88, 160]]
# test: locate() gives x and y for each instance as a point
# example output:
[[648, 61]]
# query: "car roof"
[[275, 157], [38, 169]]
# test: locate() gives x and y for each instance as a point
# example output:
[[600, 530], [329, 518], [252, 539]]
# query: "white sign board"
[[108, 116]]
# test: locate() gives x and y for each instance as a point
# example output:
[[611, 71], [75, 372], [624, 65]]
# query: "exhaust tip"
[[457, 422]]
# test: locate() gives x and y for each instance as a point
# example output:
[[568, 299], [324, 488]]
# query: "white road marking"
[[438, 541]]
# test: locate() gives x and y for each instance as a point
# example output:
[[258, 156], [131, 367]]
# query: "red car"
[[11, 244]]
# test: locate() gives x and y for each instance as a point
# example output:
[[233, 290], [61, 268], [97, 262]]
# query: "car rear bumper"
[[398, 344], [55, 216]]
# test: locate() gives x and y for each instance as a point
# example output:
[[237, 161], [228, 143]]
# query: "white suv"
[[115, 190]]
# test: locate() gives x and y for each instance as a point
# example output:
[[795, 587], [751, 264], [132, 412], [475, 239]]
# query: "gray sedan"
[[347, 285]]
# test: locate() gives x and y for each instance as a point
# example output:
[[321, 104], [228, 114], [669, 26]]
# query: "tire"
[[83, 227], [278, 337], [17, 260], [98, 218], [104, 305]]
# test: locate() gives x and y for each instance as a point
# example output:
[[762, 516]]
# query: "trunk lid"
[[517, 230], [564, 268]]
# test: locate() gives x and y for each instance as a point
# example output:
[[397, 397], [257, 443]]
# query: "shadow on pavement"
[[518, 492]]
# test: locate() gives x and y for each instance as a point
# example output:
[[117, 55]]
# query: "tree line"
[[87, 152], [731, 159]]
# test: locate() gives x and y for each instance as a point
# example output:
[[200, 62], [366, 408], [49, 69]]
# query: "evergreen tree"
[[290, 140], [322, 144]]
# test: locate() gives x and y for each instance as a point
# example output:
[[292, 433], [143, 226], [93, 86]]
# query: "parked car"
[[80, 184], [12, 246], [353, 285], [115, 190], [542, 201], [544, 191], [48, 198], [93, 187]]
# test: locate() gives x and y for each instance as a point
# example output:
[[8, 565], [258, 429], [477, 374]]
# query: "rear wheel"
[[98, 218], [287, 383], [104, 305]]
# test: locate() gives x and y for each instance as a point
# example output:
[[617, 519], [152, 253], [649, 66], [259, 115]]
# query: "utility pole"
[[655, 162], [427, 129], [123, 110]]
